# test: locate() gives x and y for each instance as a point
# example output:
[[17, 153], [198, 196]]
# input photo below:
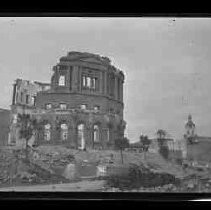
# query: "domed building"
[[84, 105]]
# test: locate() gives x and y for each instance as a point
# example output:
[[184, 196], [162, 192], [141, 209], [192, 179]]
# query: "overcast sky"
[[166, 62]]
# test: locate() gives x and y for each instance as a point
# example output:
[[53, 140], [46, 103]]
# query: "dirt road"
[[81, 186]]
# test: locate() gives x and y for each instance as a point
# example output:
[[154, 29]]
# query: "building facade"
[[81, 107], [23, 102]]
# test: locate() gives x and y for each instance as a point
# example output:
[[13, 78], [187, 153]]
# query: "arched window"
[[83, 106], [63, 106], [96, 133], [33, 100], [80, 136], [88, 82], [64, 131], [84, 80], [47, 132], [62, 80], [15, 118]]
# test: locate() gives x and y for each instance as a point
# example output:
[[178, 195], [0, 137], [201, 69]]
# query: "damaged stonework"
[[82, 107], [23, 102]]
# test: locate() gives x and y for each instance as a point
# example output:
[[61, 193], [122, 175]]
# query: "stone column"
[[79, 79], [55, 137], [83, 140], [14, 94], [68, 79], [75, 79], [105, 83], [101, 83], [88, 137], [104, 137], [73, 135], [116, 87], [121, 90]]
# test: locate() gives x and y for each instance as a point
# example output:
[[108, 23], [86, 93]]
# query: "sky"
[[166, 62]]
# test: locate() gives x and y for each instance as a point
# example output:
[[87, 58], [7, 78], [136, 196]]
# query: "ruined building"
[[23, 102], [81, 107]]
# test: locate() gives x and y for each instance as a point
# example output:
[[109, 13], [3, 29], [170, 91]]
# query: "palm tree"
[[144, 140], [27, 128], [161, 134], [121, 144]]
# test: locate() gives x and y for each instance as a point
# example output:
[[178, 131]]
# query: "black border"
[[106, 9], [98, 196], [112, 8]]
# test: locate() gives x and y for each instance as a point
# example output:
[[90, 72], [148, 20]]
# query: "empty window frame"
[[84, 80], [89, 82], [93, 83], [96, 133], [81, 136], [47, 132], [107, 134], [83, 106], [64, 131], [62, 80], [33, 100], [15, 118], [63, 106]]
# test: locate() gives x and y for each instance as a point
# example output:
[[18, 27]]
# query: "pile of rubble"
[[6, 162], [164, 188], [51, 160], [15, 169], [140, 176]]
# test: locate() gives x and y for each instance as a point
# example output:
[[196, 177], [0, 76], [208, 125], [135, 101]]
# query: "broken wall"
[[4, 126]]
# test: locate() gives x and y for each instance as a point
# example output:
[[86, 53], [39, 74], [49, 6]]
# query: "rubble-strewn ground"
[[85, 185], [47, 166]]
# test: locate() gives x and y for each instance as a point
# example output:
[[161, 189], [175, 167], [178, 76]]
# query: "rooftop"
[[89, 57]]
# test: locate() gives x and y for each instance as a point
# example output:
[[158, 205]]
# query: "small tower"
[[190, 128]]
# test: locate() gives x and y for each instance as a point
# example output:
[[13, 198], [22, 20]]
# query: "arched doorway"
[[96, 133], [107, 132], [81, 136], [47, 132], [64, 131]]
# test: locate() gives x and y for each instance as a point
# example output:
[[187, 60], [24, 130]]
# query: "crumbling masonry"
[[81, 107]]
